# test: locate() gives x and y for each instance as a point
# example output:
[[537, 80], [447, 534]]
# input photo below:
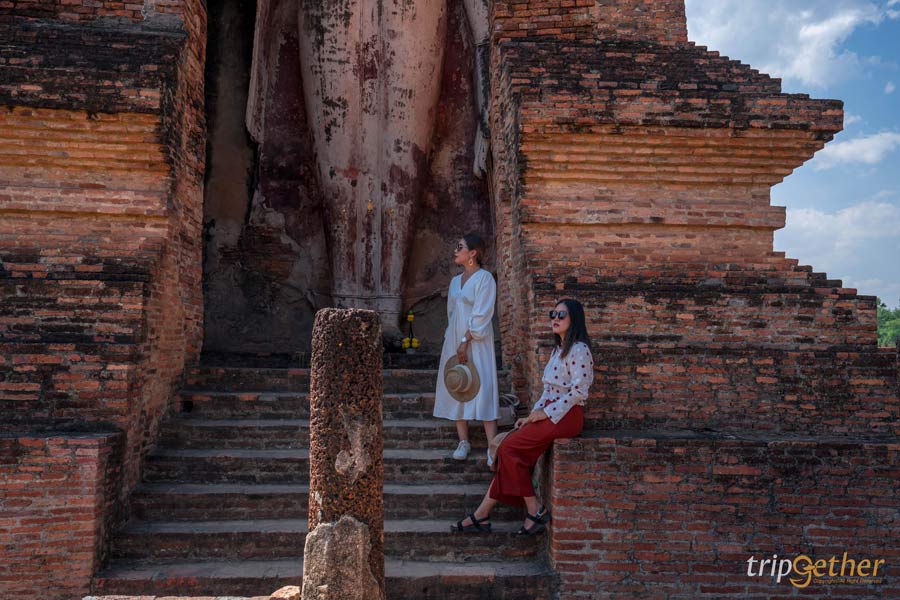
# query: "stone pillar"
[[344, 555]]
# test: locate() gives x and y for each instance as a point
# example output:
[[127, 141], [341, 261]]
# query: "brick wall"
[[89, 10], [57, 496], [657, 516], [662, 21], [633, 172], [100, 240], [80, 254], [513, 287], [746, 388], [101, 174]]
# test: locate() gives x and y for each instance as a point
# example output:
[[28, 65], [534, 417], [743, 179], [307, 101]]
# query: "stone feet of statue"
[[392, 336]]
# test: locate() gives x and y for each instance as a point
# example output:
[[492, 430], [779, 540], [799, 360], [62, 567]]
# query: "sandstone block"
[[336, 563]]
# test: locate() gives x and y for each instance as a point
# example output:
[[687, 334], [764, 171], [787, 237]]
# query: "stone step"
[[404, 580], [297, 380], [239, 465], [223, 502], [414, 539], [390, 360], [294, 433], [288, 405]]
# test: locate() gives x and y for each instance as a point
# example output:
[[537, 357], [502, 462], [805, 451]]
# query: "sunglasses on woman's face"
[[460, 247], [558, 314]]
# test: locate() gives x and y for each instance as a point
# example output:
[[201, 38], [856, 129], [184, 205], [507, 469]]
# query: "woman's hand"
[[521, 423], [461, 353], [538, 415]]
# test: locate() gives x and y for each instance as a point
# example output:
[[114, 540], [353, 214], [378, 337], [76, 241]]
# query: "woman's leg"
[[520, 456], [462, 429], [490, 430], [570, 426], [532, 506], [516, 458], [483, 511], [487, 505]]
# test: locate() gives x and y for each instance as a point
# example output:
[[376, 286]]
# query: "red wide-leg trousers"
[[520, 450]]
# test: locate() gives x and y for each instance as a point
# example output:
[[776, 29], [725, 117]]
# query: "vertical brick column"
[[56, 495], [344, 555]]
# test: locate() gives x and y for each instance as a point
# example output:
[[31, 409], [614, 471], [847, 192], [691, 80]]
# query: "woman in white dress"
[[470, 336]]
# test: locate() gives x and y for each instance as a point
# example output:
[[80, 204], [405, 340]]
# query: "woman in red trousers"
[[558, 414]]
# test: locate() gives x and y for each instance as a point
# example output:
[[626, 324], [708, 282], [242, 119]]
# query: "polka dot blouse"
[[567, 381]]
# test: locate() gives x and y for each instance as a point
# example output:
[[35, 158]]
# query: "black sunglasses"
[[460, 247], [560, 314]]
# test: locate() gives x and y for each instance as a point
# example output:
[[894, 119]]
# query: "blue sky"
[[843, 206]]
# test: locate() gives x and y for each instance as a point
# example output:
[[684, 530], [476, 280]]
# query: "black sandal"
[[475, 527], [540, 521]]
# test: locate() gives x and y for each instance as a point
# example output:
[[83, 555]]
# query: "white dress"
[[470, 307]]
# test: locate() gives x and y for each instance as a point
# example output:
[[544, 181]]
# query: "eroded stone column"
[[344, 555]]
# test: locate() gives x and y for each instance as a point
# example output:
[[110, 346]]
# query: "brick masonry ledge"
[[687, 437], [176, 598], [75, 432]]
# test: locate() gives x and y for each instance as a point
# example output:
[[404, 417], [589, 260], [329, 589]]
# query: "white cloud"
[[894, 9], [851, 244], [887, 291], [889, 87], [797, 40], [837, 235], [866, 150], [851, 119]]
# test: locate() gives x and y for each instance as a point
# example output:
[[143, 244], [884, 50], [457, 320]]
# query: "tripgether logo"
[[824, 571]]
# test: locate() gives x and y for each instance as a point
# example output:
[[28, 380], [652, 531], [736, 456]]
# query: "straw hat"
[[462, 381]]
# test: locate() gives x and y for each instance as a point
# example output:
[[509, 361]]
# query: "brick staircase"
[[222, 509]]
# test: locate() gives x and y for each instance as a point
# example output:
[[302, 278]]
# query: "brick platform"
[[57, 505], [677, 514]]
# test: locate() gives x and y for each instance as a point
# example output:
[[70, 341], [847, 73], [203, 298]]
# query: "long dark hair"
[[476, 242], [577, 331]]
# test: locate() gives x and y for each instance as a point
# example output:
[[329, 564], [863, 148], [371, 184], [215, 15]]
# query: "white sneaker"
[[462, 450], [490, 462]]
